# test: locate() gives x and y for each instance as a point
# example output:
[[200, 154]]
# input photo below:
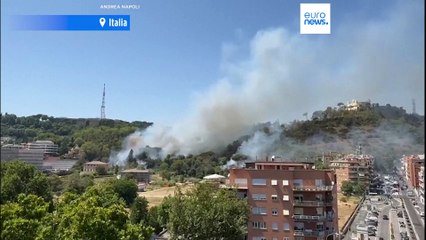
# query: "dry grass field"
[[155, 196], [345, 209]]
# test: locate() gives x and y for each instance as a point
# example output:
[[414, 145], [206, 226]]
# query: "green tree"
[[91, 150], [27, 218], [319, 165], [55, 183], [208, 212], [131, 160], [97, 214], [100, 170], [125, 188], [347, 187], [20, 177], [359, 188], [139, 210], [153, 219], [78, 184]]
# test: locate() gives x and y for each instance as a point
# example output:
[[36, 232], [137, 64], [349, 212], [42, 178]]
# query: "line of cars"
[[372, 222]]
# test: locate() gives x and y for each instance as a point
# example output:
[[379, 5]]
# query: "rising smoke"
[[288, 74]]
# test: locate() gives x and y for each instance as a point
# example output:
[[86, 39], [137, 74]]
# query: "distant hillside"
[[95, 136], [340, 122], [386, 132]]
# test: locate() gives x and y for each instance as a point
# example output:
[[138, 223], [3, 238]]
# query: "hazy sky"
[[202, 59]]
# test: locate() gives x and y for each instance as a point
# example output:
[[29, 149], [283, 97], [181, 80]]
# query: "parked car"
[[385, 217]]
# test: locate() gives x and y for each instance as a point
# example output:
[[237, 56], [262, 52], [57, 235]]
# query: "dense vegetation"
[[95, 137], [386, 132], [353, 188], [110, 209]]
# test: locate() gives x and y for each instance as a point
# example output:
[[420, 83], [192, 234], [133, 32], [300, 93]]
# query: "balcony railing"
[[313, 188], [236, 185], [312, 233], [313, 218], [312, 203]]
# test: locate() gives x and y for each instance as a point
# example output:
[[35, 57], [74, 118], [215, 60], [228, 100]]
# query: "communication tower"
[[103, 105]]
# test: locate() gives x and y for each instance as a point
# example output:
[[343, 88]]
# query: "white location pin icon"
[[102, 21]]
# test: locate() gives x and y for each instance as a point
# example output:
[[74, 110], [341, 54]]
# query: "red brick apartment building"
[[352, 167], [412, 166], [288, 200]]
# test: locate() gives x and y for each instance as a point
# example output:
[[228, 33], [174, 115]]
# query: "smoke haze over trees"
[[286, 75]]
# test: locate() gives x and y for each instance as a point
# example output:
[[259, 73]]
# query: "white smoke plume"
[[288, 74]]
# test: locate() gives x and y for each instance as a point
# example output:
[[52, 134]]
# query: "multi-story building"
[[288, 200], [352, 167], [94, 165], [140, 175], [412, 166], [31, 156], [48, 147], [421, 189]]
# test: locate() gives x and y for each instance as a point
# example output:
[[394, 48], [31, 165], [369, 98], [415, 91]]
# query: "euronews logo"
[[315, 18]]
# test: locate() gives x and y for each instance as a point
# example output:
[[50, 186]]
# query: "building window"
[[274, 197], [274, 182], [285, 182], [274, 211], [258, 196], [298, 211], [299, 226], [258, 211], [259, 238], [286, 238], [298, 183], [318, 182], [285, 198], [274, 226], [319, 197], [286, 227], [259, 182], [320, 226], [241, 181], [286, 212], [259, 225], [274, 238], [299, 238]]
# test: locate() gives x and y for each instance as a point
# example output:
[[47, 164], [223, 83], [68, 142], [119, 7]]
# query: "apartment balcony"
[[313, 188], [311, 233], [235, 185], [313, 218], [312, 203]]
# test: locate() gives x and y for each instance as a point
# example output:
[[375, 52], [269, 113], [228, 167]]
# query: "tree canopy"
[[207, 212], [19, 177]]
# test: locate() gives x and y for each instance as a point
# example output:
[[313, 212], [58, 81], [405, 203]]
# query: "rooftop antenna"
[[103, 105], [359, 150]]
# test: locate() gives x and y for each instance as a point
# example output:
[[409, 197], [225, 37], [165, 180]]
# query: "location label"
[[102, 21]]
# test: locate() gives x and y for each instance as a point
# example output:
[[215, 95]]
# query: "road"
[[383, 225], [414, 218]]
